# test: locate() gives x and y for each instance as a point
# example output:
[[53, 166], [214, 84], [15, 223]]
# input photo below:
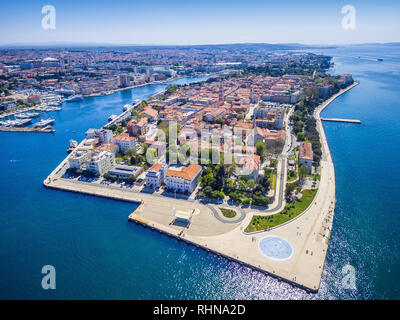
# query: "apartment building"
[[100, 162], [124, 142], [183, 179], [155, 175]]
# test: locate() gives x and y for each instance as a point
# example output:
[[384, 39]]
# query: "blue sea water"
[[99, 255]]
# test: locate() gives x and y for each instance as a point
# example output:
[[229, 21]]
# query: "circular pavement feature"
[[240, 215], [275, 248]]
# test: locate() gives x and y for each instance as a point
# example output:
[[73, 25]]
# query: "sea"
[[98, 254]]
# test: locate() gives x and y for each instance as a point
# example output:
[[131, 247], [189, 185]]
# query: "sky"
[[178, 22]]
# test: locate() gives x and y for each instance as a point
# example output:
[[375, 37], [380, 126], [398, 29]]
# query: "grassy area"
[[292, 176], [272, 181], [290, 211], [228, 213]]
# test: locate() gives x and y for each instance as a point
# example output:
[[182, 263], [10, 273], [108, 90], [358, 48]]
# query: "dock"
[[341, 120], [48, 129]]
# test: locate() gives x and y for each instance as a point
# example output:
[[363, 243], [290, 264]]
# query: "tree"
[[219, 121], [301, 136], [302, 171], [290, 187], [261, 149]]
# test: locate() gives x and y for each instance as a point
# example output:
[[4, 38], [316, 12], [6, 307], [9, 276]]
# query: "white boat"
[[27, 115], [74, 98], [43, 123], [17, 123]]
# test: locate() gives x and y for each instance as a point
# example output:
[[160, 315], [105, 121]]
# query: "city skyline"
[[176, 23]]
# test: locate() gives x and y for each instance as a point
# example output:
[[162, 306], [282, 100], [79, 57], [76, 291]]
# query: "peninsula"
[[238, 165]]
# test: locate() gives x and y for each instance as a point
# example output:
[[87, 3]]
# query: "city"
[[199, 158], [232, 147]]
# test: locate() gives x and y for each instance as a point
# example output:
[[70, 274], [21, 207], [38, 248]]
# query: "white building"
[[92, 133], [155, 175], [100, 162], [78, 158], [183, 179], [105, 136]]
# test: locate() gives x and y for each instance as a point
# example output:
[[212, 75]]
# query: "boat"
[[27, 115], [43, 123], [17, 122], [53, 109], [112, 117], [74, 98], [379, 59]]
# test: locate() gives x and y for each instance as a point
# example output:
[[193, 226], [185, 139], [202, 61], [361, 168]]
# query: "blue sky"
[[199, 22]]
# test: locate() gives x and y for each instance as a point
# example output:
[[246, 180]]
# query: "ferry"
[[43, 123]]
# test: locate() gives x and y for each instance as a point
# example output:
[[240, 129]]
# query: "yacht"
[[74, 98], [43, 123]]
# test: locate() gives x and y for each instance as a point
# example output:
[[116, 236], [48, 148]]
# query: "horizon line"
[[107, 44]]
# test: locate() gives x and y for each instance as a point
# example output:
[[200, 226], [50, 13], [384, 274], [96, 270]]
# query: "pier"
[[48, 129], [341, 120]]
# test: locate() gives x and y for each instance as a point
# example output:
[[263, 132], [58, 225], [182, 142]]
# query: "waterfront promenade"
[[307, 234]]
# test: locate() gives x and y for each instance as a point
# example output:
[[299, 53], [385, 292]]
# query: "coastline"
[[145, 84], [303, 269]]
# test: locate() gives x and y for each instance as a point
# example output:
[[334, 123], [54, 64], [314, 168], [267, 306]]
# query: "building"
[[137, 127], [105, 136], [152, 114], [248, 165], [124, 142], [124, 80], [325, 90], [92, 133], [269, 118], [183, 179], [159, 146], [77, 159], [345, 80], [100, 162], [124, 171], [155, 175], [306, 155]]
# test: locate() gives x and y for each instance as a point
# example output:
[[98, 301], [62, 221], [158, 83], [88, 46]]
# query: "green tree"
[[302, 171], [261, 149]]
